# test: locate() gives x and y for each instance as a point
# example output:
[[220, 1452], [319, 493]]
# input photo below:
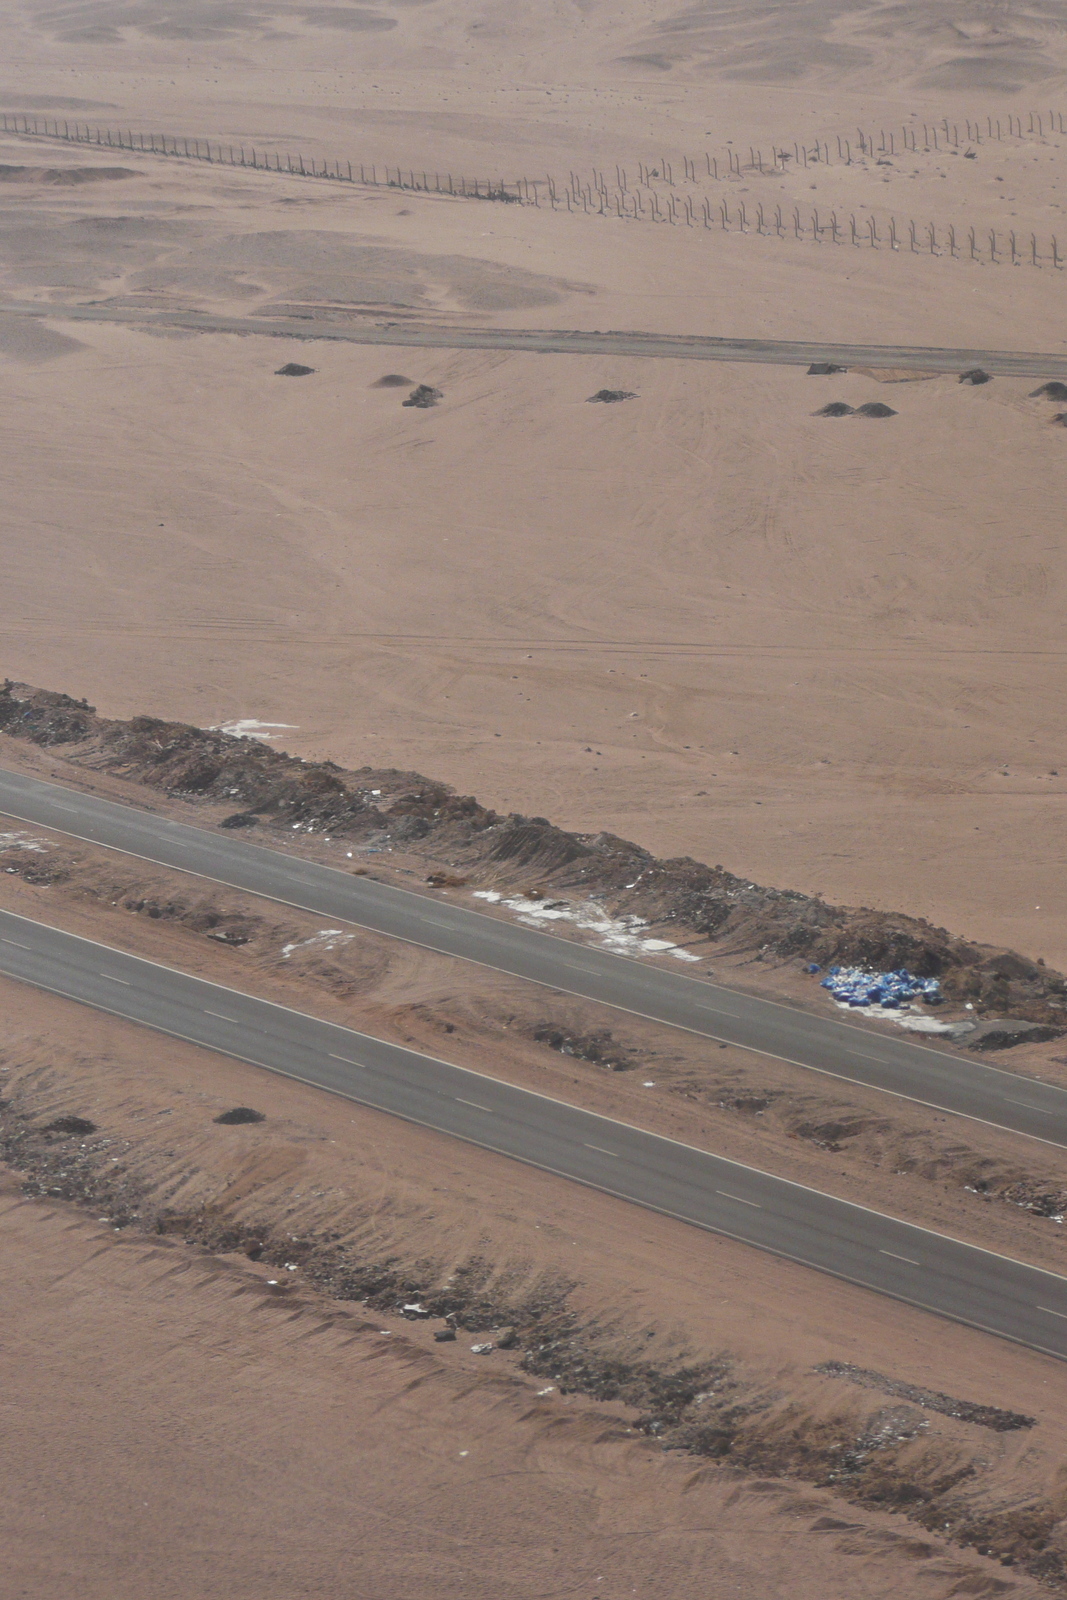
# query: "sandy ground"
[[280, 1445], [824, 653]]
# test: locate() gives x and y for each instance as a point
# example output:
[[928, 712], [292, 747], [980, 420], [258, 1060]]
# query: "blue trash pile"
[[855, 986]]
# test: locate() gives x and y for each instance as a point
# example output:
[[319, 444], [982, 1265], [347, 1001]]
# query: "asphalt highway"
[[969, 1285], [561, 341], [937, 1077]]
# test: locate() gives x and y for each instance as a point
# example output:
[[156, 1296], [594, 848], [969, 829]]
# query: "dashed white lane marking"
[[113, 979], [739, 1198], [600, 1151], [895, 1257], [473, 1103]]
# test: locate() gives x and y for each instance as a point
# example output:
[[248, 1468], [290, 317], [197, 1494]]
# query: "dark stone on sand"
[[836, 408], [293, 369], [240, 819], [875, 408], [975, 375], [71, 1125], [608, 397], [1050, 391], [423, 397], [239, 1115], [393, 380], [824, 369]]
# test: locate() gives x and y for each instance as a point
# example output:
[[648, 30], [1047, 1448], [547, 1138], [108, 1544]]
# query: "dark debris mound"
[[405, 809], [609, 397], [423, 397], [71, 1125], [599, 1047], [836, 408], [1050, 391], [393, 380], [875, 408], [824, 369], [932, 1400], [240, 819], [293, 369], [239, 1115], [975, 376]]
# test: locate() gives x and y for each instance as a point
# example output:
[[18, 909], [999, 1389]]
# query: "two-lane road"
[[898, 1066], [973, 1286]]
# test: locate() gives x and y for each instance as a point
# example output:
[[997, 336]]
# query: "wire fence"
[[654, 197]]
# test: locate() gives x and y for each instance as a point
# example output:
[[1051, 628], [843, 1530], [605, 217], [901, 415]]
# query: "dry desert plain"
[[825, 652]]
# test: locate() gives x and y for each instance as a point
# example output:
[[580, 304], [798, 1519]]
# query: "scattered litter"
[[648, 1084], [812, 967], [22, 841], [464, 1452], [239, 1115], [293, 369], [1050, 391], [975, 375], [836, 408], [445, 1335], [326, 938], [414, 1310], [393, 380], [423, 396], [874, 408], [616, 933], [608, 397], [250, 728], [481, 1349], [291, 1266], [824, 369], [550, 1390], [272, 1283]]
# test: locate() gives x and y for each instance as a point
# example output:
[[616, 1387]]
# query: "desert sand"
[[825, 652]]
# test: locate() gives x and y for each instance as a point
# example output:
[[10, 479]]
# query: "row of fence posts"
[[259, 160], [935, 137], [592, 197]]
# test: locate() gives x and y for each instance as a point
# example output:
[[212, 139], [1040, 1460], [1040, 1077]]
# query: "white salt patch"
[[906, 1017], [614, 933], [250, 728], [22, 841], [325, 939]]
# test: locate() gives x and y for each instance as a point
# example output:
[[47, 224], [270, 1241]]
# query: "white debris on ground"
[[325, 939], [22, 841], [250, 728], [622, 934], [910, 1017]]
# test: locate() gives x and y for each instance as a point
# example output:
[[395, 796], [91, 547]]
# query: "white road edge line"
[[740, 1199], [895, 1257]]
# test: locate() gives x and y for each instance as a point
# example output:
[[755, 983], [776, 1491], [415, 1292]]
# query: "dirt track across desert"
[[544, 341]]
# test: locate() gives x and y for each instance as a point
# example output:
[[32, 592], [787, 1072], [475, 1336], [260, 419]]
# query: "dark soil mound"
[[79, 1125], [875, 408], [1061, 418], [824, 369], [1050, 391], [836, 408], [393, 380], [205, 766], [240, 819], [240, 1114], [608, 397], [423, 397], [293, 369], [975, 375]]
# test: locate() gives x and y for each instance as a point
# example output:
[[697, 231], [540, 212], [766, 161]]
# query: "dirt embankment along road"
[[780, 352]]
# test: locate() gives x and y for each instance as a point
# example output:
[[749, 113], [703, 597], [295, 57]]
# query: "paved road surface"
[[544, 341], [934, 1076], [973, 1286]]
